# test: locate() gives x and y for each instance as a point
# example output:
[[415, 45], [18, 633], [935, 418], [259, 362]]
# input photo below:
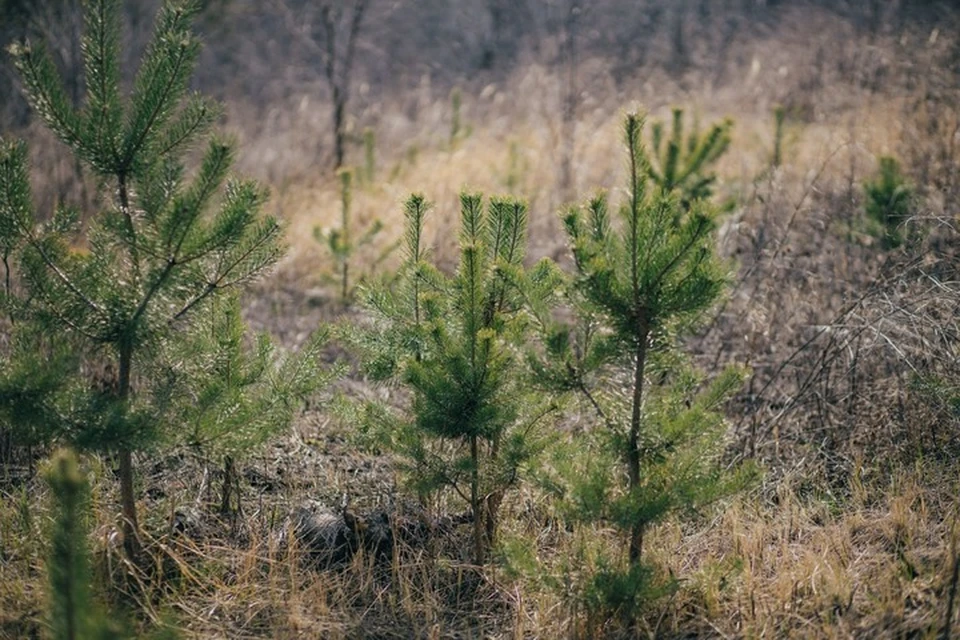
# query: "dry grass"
[[792, 558]]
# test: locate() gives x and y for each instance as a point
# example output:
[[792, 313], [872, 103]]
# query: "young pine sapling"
[[161, 250], [451, 340], [72, 614], [345, 241], [889, 203], [240, 395], [72, 610], [683, 162], [642, 278], [369, 156]]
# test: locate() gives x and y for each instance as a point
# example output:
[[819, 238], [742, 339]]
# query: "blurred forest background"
[[283, 66]]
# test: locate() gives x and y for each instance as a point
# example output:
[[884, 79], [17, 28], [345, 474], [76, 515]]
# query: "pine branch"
[[46, 94], [197, 116], [101, 48], [238, 211], [189, 207], [15, 200], [162, 78], [220, 281], [696, 236], [37, 246]]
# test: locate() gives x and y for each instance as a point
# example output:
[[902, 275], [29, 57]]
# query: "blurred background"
[[530, 86]]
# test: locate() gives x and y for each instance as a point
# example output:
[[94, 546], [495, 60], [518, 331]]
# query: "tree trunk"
[[494, 42], [492, 502], [633, 454], [339, 108], [229, 473], [479, 550], [128, 502], [491, 517], [570, 99], [680, 55]]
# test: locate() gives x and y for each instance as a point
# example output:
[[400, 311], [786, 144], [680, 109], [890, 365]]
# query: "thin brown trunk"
[[475, 504], [229, 473], [128, 502], [339, 107], [492, 503], [123, 192], [7, 285], [643, 333], [570, 99], [633, 454], [131, 528], [491, 517]]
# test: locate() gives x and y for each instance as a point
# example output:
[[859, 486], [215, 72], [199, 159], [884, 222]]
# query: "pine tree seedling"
[[456, 98], [162, 249], [889, 202], [452, 341], [241, 395], [643, 277], [516, 168], [72, 613], [684, 162], [339, 241], [369, 155], [342, 243], [457, 129], [779, 118]]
